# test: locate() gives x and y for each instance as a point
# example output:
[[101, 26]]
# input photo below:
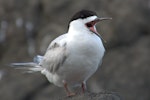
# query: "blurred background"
[[28, 26]]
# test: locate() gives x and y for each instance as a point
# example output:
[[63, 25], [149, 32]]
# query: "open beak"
[[104, 18], [93, 28]]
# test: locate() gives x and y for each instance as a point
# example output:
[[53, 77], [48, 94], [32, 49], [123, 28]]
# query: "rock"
[[94, 96]]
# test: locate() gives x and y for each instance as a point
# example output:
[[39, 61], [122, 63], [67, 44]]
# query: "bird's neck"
[[77, 29]]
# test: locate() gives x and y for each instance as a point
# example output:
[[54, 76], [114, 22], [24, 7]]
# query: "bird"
[[72, 58]]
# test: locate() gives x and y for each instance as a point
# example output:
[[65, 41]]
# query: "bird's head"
[[85, 20]]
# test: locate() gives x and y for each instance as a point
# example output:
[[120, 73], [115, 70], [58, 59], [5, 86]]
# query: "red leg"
[[69, 94], [83, 85]]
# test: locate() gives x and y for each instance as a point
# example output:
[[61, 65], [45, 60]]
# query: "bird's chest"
[[84, 56], [87, 46]]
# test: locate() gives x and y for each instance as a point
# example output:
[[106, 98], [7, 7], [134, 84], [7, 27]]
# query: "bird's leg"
[[83, 85], [69, 94]]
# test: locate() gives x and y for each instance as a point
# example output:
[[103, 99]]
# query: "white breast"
[[85, 55], [85, 52]]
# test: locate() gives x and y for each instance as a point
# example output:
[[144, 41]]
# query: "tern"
[[72, 58]]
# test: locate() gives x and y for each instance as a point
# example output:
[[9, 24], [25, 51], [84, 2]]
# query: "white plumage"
[[72, 57]]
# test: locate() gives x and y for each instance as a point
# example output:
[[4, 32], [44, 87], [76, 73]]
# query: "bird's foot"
[[71, 94]]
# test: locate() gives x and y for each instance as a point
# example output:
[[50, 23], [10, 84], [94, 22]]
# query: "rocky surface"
[[27, 27], [94, 96]]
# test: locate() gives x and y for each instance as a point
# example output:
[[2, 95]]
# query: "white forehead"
[[88, 19], [81, 22]]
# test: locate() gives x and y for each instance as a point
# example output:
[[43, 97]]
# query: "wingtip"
[[14, 64], [11, 65], [23, 64]]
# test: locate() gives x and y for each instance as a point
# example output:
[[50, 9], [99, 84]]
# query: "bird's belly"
[[74, 76], [75, 70], [81, 63]]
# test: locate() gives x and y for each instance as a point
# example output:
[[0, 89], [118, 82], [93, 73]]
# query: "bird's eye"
[[89, 25]]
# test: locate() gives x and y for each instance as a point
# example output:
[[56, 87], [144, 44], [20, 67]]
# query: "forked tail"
[[30, 66]]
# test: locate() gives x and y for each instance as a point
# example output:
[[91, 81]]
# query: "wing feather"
[[55, 55]]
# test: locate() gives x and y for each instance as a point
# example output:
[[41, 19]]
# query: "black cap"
[[83, 14]]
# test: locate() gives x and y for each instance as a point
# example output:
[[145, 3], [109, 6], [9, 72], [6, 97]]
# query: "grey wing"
[[55, 56], [59, 40]]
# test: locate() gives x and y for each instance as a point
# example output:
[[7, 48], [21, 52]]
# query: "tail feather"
[[29, 66]]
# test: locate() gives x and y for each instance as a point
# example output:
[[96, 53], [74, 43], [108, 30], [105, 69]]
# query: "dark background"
[[28, 26]]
